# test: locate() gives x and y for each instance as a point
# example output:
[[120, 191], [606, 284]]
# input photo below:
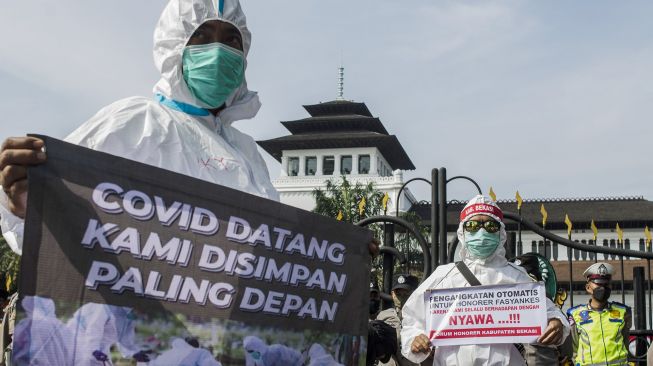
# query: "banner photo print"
[[124, 262], [514, 313]]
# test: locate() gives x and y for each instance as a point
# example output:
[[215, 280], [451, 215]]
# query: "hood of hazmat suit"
[[258, 353], [99, 326], [173, 130], [40, 338], [492, 270], [183, 354], [255, 349]]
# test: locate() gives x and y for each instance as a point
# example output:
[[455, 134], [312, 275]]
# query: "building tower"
[[339, 138]]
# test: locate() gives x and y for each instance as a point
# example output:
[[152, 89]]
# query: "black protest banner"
[[182, 252]]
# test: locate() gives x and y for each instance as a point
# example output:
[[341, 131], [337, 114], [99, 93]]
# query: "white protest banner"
[[514, 313]]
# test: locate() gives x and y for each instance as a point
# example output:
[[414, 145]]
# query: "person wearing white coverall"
[[318, 356], [42, 338], [486, 260], [200, 48], [183, 354], [96, 327], [258, 353]]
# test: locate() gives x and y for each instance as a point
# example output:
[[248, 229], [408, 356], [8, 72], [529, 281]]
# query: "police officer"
[[402, 287], [375, 300], [600, 328]]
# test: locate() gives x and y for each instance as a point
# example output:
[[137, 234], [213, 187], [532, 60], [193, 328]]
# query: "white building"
[[340, 138]]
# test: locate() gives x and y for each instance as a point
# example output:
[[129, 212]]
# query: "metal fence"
[[550, 247]]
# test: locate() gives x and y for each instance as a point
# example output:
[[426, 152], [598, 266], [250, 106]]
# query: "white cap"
[[599, 272]]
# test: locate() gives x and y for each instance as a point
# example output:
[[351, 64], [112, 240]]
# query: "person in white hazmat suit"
[[258, 353], [94, 328], [183, 354], [200, 48], [318, 356], [42, 338], [482, 235]]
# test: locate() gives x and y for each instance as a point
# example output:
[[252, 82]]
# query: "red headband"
[[480, 209]]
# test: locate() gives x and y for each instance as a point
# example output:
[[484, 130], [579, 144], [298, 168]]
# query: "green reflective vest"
[[600, 334]]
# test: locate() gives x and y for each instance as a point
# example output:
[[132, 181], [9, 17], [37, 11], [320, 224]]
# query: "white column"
[[319, 165], [354, 164], [336, 165], [284, 166], [373, 164], [302, 166]]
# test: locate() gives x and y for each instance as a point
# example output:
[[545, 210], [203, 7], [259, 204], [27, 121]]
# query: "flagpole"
[[520, 245], [647, 247], [650, 304], [620, 244], [520, 249], [571, 271], [595, 231]]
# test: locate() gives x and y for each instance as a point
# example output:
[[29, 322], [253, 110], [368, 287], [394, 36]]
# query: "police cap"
[[600, 273], [405, 281]]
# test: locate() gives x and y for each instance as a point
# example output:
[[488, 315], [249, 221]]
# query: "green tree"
[[343, 197], [408, 245], [9, 265]]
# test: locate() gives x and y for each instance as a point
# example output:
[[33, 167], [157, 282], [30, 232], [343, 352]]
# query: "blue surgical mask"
[[481, 244], [255, 355], [213, 72]]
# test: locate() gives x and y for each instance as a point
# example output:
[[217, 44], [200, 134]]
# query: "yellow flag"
[[519, 200], [8, 284], [569, 225], [620, 233], [492, 195], [384, 201], [361, 206], [595, 230], [339, 217], [647, 233], [544, 215]]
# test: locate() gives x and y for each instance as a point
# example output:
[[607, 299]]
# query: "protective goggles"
[[255, 354], [473, 226]]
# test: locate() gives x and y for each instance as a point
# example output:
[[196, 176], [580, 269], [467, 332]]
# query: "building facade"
[[340, 138]]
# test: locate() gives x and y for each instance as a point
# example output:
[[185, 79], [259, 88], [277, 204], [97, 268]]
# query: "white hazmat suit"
[[40, 338], [173, 131], [183, 354], [492, 270], [96, 327], [318, 356], [258, 353]]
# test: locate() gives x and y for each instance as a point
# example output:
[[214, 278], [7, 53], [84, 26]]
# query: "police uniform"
[[392, 317], [600, 337]]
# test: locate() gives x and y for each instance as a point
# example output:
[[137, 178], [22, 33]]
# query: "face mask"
[[374, 306], [399, 300], [213, 72], [481, 243], [601, 294]]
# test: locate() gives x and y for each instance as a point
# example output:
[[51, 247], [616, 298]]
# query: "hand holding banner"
[[175, 256], [495, 314]]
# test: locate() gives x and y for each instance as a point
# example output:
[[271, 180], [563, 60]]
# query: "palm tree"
[[344, 199]]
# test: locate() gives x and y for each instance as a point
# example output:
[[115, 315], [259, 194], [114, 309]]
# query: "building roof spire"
[[341, 82]]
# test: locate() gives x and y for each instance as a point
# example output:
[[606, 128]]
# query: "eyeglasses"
[[473, 226]]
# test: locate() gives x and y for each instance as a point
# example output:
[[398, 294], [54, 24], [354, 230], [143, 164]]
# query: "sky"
[[553, 99]]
